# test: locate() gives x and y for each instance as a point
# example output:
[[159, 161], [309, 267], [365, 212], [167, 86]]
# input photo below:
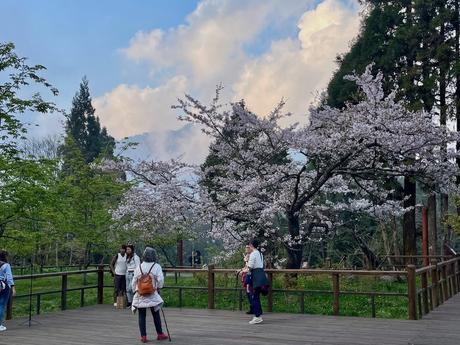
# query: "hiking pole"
[[166, 324]]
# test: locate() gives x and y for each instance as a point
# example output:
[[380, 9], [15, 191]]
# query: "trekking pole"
[[166, 324]]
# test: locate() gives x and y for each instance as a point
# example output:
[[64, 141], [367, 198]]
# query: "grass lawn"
[[319, 302]]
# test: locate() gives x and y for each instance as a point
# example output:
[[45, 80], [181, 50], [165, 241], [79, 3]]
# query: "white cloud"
[[130, 110], [212, 47], [294, 69]]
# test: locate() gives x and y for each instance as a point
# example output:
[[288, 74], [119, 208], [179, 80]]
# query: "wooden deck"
[[99, 325]]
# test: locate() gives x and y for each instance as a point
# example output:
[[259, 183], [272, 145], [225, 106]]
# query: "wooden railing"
[[62, 291], [335, 276], [438, 282]]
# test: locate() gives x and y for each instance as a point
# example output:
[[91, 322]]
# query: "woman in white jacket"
[[153, 301]]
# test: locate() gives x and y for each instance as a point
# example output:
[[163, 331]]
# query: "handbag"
[[247, 279]]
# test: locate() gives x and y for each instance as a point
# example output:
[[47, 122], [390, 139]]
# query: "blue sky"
[[75, 38], [140, 56]]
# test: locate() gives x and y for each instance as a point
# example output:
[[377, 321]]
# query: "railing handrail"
[[445, 282], [52, 274]]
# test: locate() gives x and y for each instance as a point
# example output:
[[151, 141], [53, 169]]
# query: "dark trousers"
[[156, 320], [119, 286], [255, 299], [250, 302]]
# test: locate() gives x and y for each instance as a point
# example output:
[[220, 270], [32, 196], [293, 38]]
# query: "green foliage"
[[17, 75], [84, 127], [86, 195], [23, 181]]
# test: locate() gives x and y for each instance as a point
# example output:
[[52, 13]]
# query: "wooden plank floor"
[[104, 325]]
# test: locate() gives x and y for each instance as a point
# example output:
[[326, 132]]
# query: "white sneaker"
[[2, 328], [255, 320]]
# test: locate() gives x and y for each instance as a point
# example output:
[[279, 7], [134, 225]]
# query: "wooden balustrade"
[[427, 287]]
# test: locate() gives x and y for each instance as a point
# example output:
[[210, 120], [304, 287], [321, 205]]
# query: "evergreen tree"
[[413, 44], [85, 128]]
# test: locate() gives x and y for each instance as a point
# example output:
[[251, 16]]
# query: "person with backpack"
[[6, 286], [257, 279], [132, 261], [148, 279], [118, 268]]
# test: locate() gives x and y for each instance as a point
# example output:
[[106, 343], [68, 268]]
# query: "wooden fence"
[[437, 283], [427, 287]]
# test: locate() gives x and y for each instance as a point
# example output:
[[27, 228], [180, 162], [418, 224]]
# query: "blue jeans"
[[129, 286], [256, 306], [4, 297]]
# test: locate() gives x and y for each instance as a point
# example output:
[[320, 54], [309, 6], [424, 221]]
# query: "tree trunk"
[[457, 78], [443, 66], [445, 228], [294, 251], [57, 253], [410, 190], [409, 229], [432, 226], [71, 255], [386, 243]]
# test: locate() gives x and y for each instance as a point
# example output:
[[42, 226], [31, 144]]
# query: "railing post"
[[411, 292], [424, 279], [270, 293], [445, 291], [211, 287], [82, 297], [39, 303], [302, 302], [434, 283], [336, 293], [240, 300], [373, 306], [64, 291], [453, 281], [456, 275], [100, 284]]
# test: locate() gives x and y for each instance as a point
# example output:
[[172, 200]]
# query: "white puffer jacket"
[[153, 300]]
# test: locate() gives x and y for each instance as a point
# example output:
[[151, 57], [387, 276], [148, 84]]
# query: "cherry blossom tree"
[[160, 207], [287, 184]]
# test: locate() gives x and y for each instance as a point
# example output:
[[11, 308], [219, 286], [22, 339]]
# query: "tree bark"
[[432, 226], [457, 78], [443, 66], [409, 229], [294, 251]]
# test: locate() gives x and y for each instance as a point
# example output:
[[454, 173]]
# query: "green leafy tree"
[[84, 127], [18, 176]]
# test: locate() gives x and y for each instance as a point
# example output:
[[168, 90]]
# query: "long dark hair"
[[3, 255], [129, 257]]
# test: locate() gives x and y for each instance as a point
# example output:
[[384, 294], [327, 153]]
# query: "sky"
[[141, 56]]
